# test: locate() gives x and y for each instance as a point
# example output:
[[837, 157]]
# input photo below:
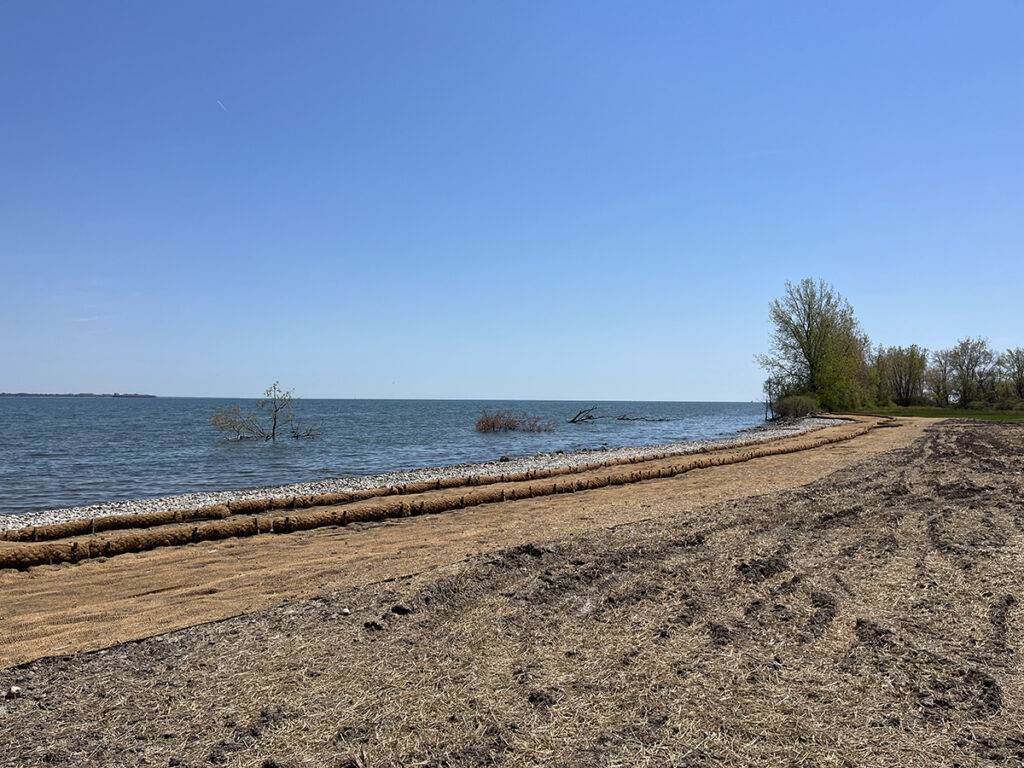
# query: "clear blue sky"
[[586, 200]]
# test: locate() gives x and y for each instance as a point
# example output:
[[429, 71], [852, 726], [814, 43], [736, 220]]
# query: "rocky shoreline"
[[770, 431]]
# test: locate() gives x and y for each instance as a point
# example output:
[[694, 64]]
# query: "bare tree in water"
[[273, 416]]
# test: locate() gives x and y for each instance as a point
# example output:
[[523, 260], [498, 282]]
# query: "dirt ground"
[[94, 604], [867, 617]]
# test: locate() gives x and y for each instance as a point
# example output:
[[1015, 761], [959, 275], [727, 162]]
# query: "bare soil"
[[869, 617]]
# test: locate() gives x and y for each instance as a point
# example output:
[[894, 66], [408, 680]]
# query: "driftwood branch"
[[587, 414]]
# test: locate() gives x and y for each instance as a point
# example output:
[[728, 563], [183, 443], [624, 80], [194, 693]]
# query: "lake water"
[[69, 451]]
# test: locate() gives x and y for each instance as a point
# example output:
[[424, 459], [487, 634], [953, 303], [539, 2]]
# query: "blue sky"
[[587, 200]]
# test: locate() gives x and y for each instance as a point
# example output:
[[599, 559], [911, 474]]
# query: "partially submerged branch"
[[304, 433], [238, 424], [587, 414], [624, 417]]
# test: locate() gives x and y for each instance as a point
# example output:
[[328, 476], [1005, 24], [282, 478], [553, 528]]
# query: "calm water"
[[65, 451]]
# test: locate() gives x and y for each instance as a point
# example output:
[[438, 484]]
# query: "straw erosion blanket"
[[872, 617]]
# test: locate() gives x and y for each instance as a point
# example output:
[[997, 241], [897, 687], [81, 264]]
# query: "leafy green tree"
[[972, 364], [938, 377], [817, 346], [1011, 362], [902, 371], [879, 392]]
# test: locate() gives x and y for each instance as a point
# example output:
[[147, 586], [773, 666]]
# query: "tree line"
[[819, 357]]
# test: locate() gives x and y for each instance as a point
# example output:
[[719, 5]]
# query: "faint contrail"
[[222, 105]]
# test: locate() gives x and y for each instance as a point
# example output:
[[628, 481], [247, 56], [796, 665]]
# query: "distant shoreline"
[[71, 394]]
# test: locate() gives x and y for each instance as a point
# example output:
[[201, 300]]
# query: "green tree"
[[937, 379], [817, 346], [1012, 364], [901, 371], [972, 364]]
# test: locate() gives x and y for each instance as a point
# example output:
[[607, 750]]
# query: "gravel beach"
[[769, 431]]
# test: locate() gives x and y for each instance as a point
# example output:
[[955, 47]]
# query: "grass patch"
[[933, 412]]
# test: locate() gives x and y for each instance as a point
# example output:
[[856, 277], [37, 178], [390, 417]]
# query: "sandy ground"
[[857, 605]]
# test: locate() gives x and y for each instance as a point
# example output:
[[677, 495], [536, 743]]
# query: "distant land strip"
[[72, 394]]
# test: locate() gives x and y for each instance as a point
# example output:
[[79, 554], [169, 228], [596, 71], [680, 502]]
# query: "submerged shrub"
[[795, 406], [506, 421]]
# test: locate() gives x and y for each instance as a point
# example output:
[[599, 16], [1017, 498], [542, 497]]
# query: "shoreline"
[[758, 434], [796, 579]]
